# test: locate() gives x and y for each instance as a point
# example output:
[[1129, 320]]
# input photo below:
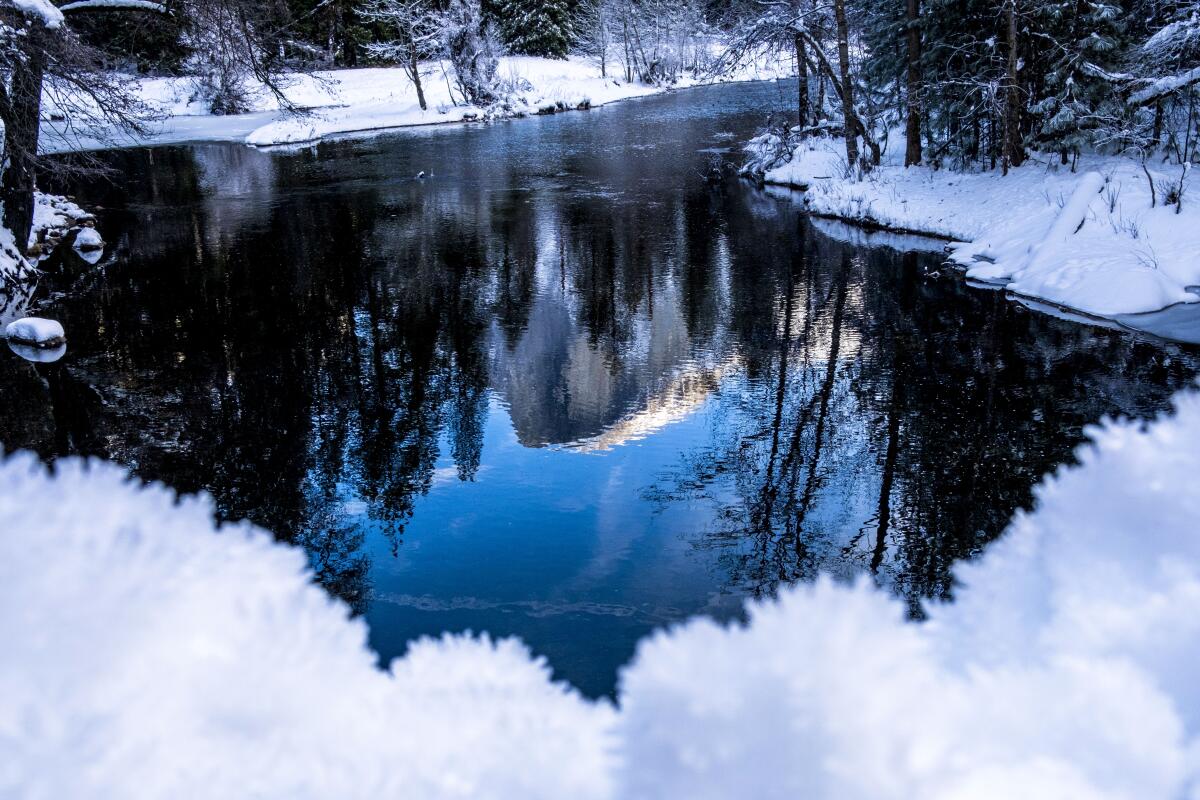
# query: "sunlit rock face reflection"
[[565, 389]]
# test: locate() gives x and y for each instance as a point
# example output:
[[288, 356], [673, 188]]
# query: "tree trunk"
[[912, 151], [349, 46], [414, 72], [848, 115], [802, 111], [22, 109], [1014, 153]]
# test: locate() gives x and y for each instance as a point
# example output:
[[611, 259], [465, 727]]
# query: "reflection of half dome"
[[39, 355]]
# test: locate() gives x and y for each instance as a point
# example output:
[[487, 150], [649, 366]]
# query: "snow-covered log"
[[113, 5]]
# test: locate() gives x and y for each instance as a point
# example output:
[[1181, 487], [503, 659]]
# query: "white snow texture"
[[1096, 242], [35, 330], [148, 654]]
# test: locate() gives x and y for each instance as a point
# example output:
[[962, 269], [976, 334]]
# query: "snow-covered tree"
[[472, 44], [596, 36], [537, 27], [416, 28], [1082, 44]]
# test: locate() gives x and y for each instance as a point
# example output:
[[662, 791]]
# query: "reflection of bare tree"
[[873, 432]]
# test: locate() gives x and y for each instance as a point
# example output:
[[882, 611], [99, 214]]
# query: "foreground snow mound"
[[1067, 667], [150, 654]]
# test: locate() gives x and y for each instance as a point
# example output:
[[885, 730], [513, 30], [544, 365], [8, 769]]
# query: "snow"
[[149, 653], [1165, 85], [127, 5], [13, 266], [1022, 231], [88, 239], [352, 100], [53, 217], [35, 330], [43, 10]]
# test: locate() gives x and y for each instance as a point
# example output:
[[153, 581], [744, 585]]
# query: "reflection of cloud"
[[684, 394], [447, 475]]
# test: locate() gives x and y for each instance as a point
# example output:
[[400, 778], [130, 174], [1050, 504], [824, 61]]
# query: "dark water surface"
[[564, 389]]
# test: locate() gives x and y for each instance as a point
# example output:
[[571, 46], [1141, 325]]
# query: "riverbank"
[[354, 100], [1100, 239]]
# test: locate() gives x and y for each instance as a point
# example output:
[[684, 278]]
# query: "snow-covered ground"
[[148, 653], [350, 100], [1087, 240]]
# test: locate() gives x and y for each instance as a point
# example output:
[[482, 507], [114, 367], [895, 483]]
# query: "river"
[[561, 387]]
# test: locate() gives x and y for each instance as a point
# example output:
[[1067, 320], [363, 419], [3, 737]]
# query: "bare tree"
[[596, 36], [416, 27]]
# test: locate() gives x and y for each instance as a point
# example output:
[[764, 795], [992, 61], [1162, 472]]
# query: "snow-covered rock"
[[35, 331], [149, 653], [88, 239]]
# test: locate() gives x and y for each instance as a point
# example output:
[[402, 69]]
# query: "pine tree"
[[1084, 42], [537, 27]]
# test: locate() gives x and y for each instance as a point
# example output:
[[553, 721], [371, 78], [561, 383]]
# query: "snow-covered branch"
[[114, 5]]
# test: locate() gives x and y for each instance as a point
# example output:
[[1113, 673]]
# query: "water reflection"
[[565, 389]]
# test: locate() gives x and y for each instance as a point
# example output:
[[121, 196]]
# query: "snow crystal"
[[149, 653], [35, 330]]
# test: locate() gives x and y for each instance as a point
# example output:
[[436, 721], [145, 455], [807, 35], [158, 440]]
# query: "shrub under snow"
[[148, 654]]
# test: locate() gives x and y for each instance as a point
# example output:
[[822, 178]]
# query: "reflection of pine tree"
[[537, 27]]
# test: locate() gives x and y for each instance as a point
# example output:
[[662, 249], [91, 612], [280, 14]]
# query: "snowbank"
[[1117, 256], [149, 654], [343, 101]]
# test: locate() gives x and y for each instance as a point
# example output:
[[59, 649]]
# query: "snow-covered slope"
[[149, 654], [1117, 256]]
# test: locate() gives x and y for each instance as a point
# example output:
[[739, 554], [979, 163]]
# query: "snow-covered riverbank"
[[149, 654], [54, 217], [351, 100], [1104, 252]]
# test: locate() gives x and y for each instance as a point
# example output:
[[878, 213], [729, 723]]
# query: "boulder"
[[36, 332]]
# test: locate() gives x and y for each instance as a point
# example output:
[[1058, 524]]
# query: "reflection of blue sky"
[[547, 535], [544, 532]]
